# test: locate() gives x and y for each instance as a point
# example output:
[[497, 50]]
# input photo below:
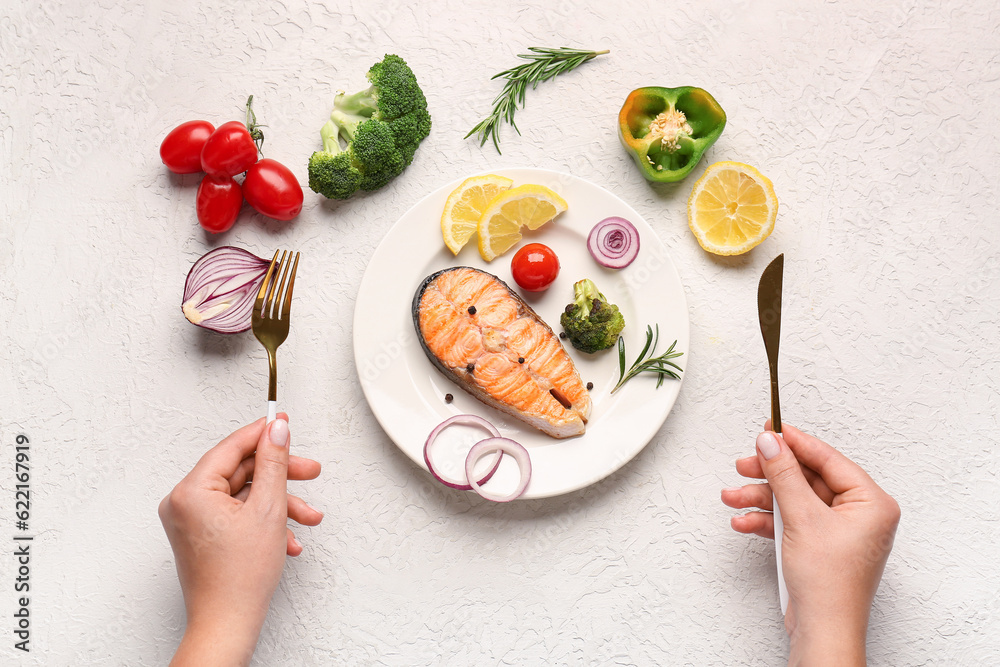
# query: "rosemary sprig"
[[544, 64], [660, 365]]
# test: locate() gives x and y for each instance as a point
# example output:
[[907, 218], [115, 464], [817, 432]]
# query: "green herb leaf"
[[661, 365], [544, 64]]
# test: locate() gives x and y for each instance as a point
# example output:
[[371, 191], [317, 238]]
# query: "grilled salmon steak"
[[488, 341]]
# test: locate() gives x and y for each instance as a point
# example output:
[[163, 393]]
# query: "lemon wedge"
[[732, 208], [500, 225], [465, 206]]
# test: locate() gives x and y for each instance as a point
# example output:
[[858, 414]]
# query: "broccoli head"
[[382, 127], [591, 323]]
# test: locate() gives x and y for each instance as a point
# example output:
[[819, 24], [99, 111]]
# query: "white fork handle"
[[272, 413], [779, 530]]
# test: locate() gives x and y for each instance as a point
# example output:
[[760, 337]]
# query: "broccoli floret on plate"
[[591, 323]]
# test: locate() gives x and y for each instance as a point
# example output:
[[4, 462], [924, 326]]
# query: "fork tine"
[[270, 298], [276, 302], [258, 304], [286, 308]]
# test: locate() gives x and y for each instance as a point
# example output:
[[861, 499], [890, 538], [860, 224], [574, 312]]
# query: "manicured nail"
[[768, 445], [278, 433]]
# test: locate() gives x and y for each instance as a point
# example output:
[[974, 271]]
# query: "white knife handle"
[[779, 530], [272, 413]]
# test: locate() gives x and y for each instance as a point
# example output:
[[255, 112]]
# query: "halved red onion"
[[467, 420], [221, 287], [614, 242], [506, 446]]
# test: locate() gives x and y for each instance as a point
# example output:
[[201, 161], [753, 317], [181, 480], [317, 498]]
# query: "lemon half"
[[732, 208]]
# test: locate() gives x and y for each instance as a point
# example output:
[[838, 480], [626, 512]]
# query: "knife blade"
[[769, 314]]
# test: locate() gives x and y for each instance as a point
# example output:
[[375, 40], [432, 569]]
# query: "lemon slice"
[[526, 205], [465, 206], [732, 208]]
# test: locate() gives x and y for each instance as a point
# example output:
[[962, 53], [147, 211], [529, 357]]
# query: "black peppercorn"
[[472, 310], [590, 385], [470, 367], [520, 360], [448, 398], [562, 334]]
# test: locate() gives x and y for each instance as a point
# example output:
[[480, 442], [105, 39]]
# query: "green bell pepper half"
[[667, 130]]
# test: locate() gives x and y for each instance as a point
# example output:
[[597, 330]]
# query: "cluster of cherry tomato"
[[222, 153]]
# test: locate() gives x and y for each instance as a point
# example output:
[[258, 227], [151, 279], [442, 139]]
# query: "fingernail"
[[733, 488], [278, 435], [314, 509], [768, 445], [296, 543]]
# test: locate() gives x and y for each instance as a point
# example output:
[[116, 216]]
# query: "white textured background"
[[877, 123]]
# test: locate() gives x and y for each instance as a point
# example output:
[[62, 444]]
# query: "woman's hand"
[[226, 522], [838, 531]]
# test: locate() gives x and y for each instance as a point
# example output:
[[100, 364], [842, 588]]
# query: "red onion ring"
[[468, 420], [221, 287], [614, 243], [506, 446]]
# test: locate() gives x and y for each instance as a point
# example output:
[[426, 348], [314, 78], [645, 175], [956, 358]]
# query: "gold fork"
[[270, 317]]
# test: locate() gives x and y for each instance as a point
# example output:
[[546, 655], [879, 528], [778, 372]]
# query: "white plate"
[[406, 392]]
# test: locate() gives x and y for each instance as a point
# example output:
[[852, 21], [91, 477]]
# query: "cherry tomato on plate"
[[230, 150], [181, 149], [534, 267], [219, 202], [271, 188]]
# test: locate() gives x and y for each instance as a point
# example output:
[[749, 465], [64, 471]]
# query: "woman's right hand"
[[839, 527], [227, 524]]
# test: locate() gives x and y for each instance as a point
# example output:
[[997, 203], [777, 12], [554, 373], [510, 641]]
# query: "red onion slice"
[[614, 243], [221, 287], [467, 420], [506, 446]]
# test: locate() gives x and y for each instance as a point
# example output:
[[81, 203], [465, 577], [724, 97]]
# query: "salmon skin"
[[487, 340]]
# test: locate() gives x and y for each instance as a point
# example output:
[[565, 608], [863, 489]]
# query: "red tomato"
[[181, 150], [270, 187], [229, 151], [218, 203], [534, 267]]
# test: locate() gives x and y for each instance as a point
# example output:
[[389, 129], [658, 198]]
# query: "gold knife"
[[769, 314]]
